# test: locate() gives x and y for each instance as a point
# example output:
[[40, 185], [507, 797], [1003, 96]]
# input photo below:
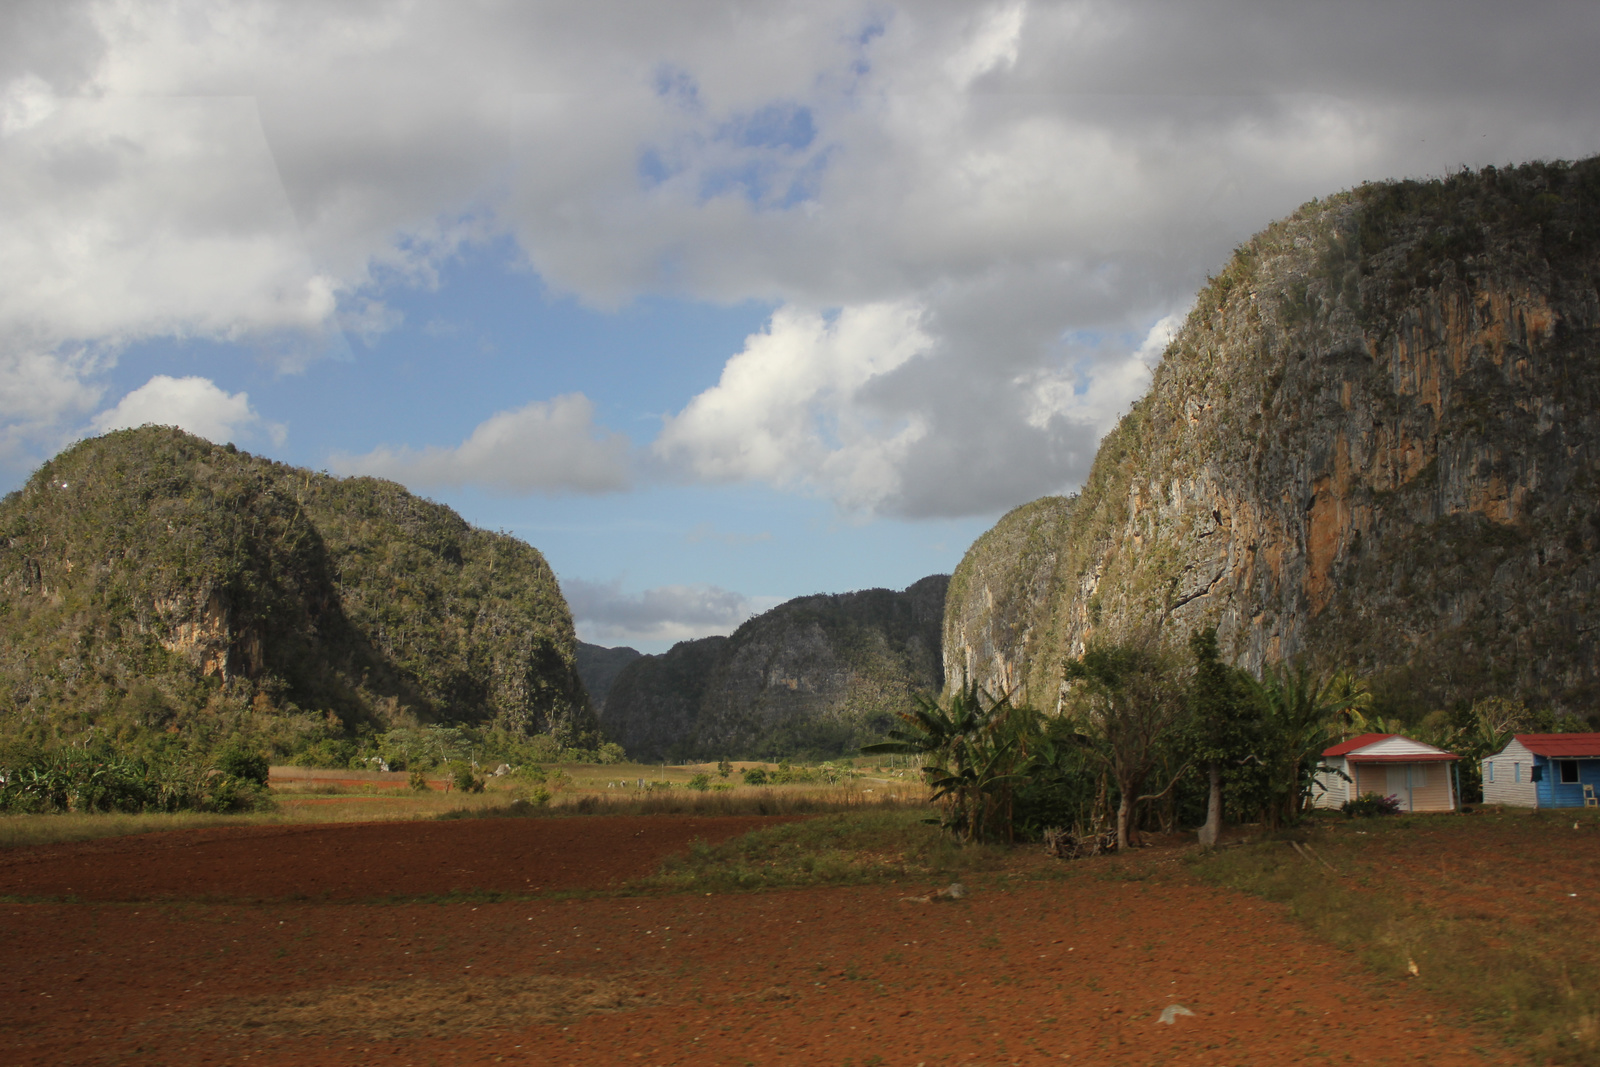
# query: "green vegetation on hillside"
[[160, 592]]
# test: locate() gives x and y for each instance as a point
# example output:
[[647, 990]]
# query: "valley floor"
[[508, 940]]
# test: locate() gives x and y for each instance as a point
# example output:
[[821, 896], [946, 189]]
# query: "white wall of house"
[[1391, 747], [1508, 777], [1334, 790]]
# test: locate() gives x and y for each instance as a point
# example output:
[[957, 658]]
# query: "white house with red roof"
[[1544, 771], [1419, 776]]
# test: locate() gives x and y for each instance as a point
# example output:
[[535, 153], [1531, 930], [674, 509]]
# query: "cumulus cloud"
[[551, 446], [796, 407], [605, 615], [1011, 195], [197, 405]]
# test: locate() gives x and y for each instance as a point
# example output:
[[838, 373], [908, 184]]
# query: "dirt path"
[[1073, 969]]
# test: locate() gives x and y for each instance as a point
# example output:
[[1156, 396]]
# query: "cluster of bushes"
[[432, 748], [1368, 805], [1153, 738], [37, 780], [832, 772]]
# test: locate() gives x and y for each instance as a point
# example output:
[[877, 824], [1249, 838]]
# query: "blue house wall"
[[1553, 794]]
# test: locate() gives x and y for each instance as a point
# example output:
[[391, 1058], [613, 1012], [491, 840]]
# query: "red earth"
[[310, 945]]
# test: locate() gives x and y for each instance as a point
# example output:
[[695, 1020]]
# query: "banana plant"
[[974, 754]]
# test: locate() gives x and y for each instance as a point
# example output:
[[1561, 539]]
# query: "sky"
[[715, 304]]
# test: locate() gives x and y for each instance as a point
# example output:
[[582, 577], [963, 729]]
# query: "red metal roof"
[[1562, 746], [1354, 743], [1351, 750]]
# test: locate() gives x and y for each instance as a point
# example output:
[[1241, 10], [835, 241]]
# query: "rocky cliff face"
[[814, 676], [1373, 443], [598, 668], [231, 593]]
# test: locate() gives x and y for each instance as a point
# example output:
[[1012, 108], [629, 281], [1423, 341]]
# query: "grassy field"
[[1495, 912], [327, 796]]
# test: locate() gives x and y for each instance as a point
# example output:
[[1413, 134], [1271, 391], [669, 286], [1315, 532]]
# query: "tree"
[[1222, 718], [1300, 716], [1132, 696], [975, 755]]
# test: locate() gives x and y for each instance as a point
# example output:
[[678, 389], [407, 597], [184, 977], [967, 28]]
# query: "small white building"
[[1417, 775]]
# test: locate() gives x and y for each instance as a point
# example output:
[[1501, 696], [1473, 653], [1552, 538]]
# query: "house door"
[[1399, 784]]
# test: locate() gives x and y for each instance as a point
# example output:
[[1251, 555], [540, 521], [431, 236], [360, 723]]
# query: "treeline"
[[176, 773], [431, 748], [1153, 738]]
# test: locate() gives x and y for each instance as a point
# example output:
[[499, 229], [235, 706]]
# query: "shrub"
[[1368, 805], [417, 780], [244, 765], [724, 768], [538, 796], [327, 753], [755, 776], [465, 781], [700, 782]]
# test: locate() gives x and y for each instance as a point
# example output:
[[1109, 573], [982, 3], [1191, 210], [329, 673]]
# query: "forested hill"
[[815, 676], [152, 583], [1375, 443]]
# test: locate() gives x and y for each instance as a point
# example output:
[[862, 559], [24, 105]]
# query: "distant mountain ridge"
[[599, 666], [154, 583], [817, 675]]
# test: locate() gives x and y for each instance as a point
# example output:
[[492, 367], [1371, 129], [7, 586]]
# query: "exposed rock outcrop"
[[1373, 443], [817, 675]]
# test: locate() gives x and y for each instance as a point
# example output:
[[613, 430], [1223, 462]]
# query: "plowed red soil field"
[[309, 945]]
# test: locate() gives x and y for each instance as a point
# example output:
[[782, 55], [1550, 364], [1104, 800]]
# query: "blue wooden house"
[[1545, 771]]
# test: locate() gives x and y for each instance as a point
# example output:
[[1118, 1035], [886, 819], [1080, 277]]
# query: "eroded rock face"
[[1372, 443], [816, 675]]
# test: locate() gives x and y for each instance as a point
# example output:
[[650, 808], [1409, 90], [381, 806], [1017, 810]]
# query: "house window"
[[1490, 766], [1569, 771], [1516, 772]]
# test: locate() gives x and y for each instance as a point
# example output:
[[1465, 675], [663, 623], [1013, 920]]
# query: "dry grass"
[[1465, 906], [20, 831], [304, 802], [798, 800]]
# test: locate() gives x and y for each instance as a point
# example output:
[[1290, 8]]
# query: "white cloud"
[[551, 446], [605, 615], [197, 405], [795, 407], [1016, 173]]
